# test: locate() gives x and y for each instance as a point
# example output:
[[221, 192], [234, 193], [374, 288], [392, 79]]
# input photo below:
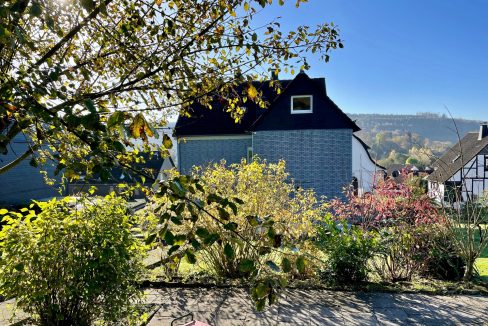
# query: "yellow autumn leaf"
[[252, 92]]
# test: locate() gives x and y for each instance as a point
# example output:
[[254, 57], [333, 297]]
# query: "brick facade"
[[202, 151], [318, 159]]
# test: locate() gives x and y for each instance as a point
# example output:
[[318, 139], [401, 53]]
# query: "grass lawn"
[[482, 268], [482, 265]]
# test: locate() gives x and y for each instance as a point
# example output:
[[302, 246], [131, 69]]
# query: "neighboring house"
[[24, 182], [154, 165], [302, 125], [397, 172], [461, 174]]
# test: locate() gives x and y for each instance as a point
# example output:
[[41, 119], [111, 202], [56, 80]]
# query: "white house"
[[365, 170], [461, 174]]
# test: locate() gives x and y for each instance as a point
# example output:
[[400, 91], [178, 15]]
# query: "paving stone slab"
[[358, 319], [233, 306]]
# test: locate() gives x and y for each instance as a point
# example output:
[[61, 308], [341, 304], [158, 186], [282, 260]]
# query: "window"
[[453, 191], [486, 163], [301, 104], [249, 154]]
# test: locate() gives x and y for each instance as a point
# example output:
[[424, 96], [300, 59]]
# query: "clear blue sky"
[[402, 56]]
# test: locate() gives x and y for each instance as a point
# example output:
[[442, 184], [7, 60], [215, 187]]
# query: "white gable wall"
[[363, 168]]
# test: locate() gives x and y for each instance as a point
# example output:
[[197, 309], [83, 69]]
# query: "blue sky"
[[401, 56]]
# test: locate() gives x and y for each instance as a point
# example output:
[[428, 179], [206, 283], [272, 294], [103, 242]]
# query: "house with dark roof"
[[461, 174], [301, 125], [24, 183]]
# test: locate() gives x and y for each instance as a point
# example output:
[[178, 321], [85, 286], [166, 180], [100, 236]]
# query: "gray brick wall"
[[23, 183], [318, 159], [201, 152]]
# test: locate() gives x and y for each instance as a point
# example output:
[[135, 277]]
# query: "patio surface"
[[309, 307]]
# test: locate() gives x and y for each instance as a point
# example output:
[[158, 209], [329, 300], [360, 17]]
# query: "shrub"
[[391, 203], [349, 249], [71, 265], [427, 250], [443, 260], [268, 197], [398, 253]]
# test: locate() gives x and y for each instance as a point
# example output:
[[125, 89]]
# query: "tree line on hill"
[[410, 139]]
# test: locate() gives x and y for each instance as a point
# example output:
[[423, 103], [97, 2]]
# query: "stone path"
[[312, 307]]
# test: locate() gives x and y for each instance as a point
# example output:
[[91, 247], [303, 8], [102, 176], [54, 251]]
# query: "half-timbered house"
[[461, 174]]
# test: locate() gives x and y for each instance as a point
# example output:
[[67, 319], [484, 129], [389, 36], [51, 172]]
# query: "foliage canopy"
[[81, 78]]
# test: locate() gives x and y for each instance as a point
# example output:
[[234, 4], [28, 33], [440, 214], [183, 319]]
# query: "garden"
[[81, 260]]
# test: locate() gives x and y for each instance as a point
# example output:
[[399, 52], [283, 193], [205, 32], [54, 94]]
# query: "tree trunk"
[[468, 272]]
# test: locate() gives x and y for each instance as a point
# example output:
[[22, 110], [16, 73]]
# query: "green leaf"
[[33, 162], [286, 265], [229, 251], [116, 119], [90, 105], [214, 198], [224, 214], [253, 220], [3, 211], [150, 238], [261, 290], [273, 266], [35, 9], [233, 207], [180, 239], [19, 266], [211, 239], [173, 249], [190, 256], [89, 5], [231, 226], [246, 266], [271, 233], [202, 232], [260, 304], [169, 238], [238, 200], [301, 264], [195, 244]]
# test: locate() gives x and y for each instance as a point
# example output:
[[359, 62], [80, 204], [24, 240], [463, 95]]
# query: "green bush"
[[348, 248], [71, 264], [442, 260], [406, 250], [268, 197]]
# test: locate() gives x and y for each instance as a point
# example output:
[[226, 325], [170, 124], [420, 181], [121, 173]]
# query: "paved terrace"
[[309, 307]]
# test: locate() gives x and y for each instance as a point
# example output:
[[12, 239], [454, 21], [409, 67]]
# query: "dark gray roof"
[[457, 156], [217, 121]]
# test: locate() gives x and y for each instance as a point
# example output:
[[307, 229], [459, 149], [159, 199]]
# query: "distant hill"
[[414, 139], [433, 126]]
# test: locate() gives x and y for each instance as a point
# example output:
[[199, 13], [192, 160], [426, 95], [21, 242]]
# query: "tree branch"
[[19, 159]]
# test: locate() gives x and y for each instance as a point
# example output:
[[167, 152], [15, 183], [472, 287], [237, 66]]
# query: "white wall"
[[474, 170], [363, 168]]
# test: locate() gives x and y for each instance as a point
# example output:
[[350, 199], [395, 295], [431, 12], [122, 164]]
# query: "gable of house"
[[325, 114], [316, 143], [462, 172], [458, 156]]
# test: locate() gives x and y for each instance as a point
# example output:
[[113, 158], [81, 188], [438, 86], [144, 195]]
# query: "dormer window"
[[301, 104]]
